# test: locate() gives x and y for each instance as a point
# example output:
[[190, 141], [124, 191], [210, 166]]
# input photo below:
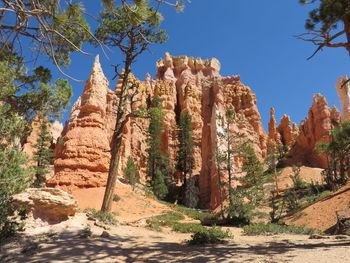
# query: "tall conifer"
[[43, 154], [185, 160], [157, 161]]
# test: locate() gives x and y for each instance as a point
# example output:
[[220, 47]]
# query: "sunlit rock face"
[[193, 84], [343, 89], [314, 129], [82, 159], [183, 83]]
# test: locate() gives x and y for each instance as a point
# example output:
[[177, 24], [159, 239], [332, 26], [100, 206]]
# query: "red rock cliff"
[[184, 83]]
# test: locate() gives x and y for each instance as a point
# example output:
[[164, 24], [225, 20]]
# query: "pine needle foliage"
[[157, 162], [338, 152], [43, 155], [328, 24], [185, 160], [130, 172]]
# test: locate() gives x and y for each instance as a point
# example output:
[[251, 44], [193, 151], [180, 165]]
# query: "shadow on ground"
[[117, 249]]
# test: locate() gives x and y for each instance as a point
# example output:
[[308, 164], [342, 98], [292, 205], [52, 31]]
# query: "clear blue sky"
[[251, 38]]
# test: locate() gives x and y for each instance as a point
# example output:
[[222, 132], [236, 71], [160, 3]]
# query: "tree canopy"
[[328, 24]]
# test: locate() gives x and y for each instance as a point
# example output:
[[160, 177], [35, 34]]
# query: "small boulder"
[[49, 204]]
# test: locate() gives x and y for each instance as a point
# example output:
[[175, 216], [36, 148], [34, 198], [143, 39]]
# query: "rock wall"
[[183, 83], [193, 84], [315, 128]]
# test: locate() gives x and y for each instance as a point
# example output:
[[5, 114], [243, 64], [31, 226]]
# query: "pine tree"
[[131, 28], [249, 194], [130, 173], [338, 152], [185, 160], [328, 24], [43, 155], [225, 155], [157, 161], [245, 197]]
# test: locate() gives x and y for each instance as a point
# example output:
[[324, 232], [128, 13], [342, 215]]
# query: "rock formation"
[[183, 83], [315, 128], [50, 205], [288, 131], [343, 89], [186, 83], [83, 159], [274, 136]]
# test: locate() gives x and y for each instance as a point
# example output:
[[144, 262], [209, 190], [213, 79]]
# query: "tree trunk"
[[113, 172], [229, 170], [347, 33], [116, 141]]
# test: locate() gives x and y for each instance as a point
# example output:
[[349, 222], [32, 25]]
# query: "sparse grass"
[[272, 229], [171, 219], [187, 227], [192, 213], [168, 218], [314, 198], [105, 217], [211, 235]]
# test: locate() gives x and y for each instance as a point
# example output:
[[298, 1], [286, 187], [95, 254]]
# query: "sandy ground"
[[130, 241], [132, 206], [137, 244]]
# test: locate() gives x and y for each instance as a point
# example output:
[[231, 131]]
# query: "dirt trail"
[[136, 244]]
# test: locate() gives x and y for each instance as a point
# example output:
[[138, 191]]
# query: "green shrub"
[[85, 233], [105, 217], [187, 227], [116, 198], [211, 235], [14, 178], [272, 229]]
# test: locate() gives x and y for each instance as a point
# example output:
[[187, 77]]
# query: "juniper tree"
[[328, 24], [14, 177], [157, 161], [23, 95], [185, 160]]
